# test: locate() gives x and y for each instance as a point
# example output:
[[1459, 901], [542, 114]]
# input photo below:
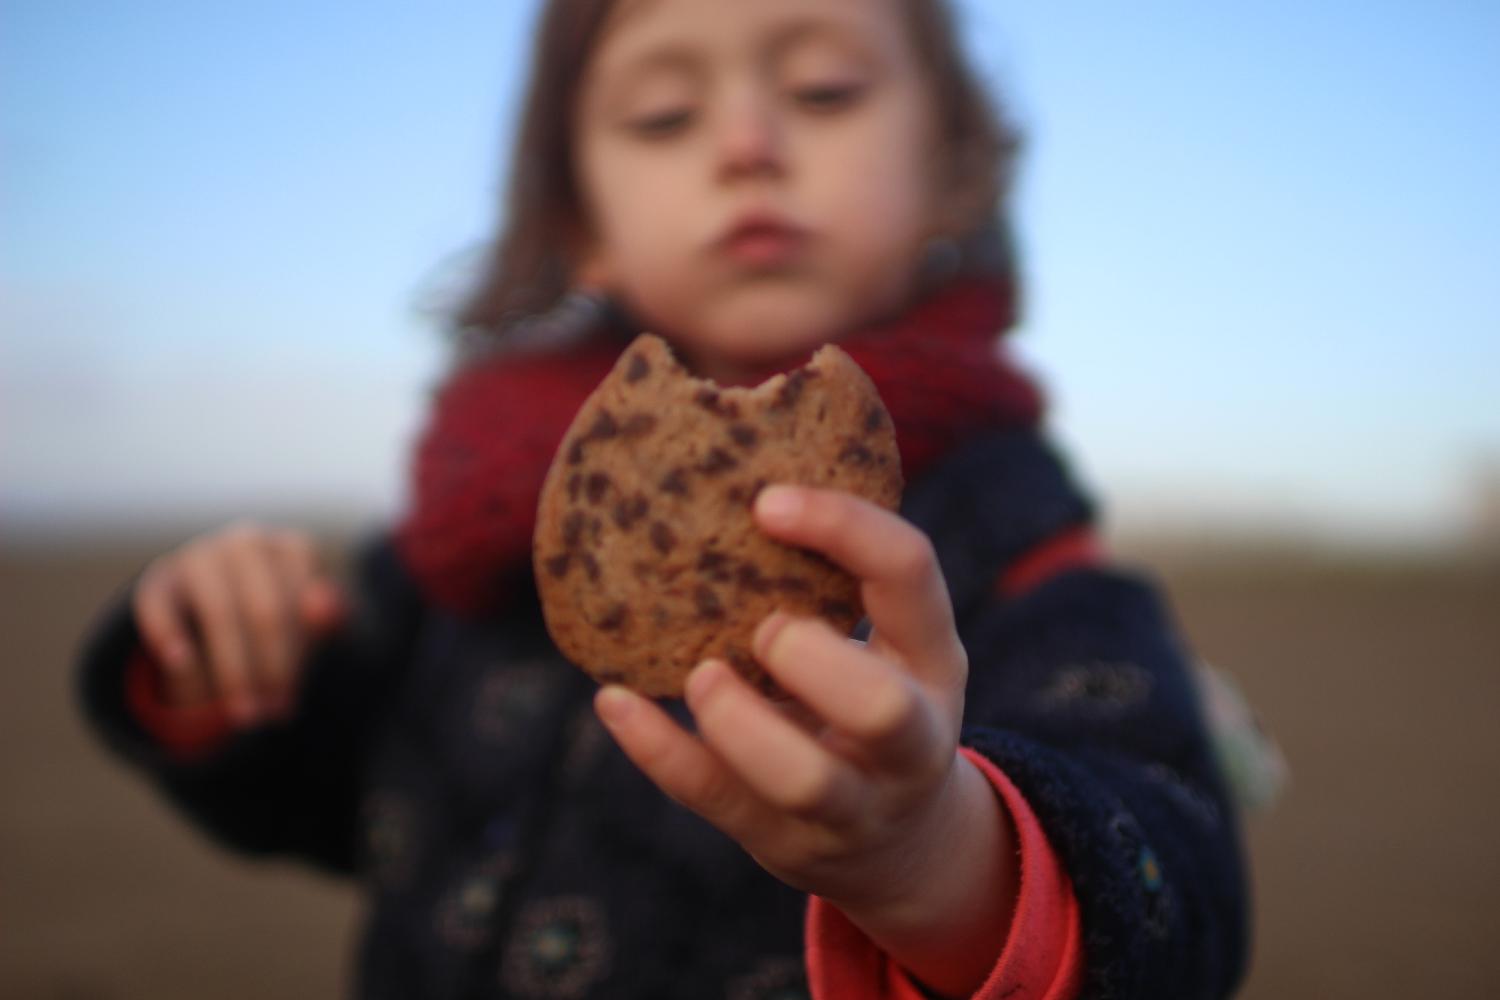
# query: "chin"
[[774, 328]]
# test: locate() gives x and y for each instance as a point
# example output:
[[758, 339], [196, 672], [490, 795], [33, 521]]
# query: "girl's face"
[[757, 176]]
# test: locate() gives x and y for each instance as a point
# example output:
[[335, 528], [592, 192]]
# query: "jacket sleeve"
[[1080, 692], [289, 788]]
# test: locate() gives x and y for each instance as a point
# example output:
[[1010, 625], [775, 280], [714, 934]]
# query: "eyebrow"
[[791, 34], [683, 56]]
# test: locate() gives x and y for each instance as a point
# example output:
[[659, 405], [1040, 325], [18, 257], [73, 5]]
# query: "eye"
[[661, 124], [828, 97]]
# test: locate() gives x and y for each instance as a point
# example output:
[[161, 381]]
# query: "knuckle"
[[808, 792], [911, 554], [263, 614], [890, 708], [295, 545], [229, 676], [244, 536]]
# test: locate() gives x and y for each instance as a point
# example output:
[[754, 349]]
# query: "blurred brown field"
[[1376, 875]]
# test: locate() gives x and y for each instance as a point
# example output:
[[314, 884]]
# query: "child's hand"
[[862, 799], [229, 615]]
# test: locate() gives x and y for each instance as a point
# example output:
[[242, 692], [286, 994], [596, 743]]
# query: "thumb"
[[322, 606]]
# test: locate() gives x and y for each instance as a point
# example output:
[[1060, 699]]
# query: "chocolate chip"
[[575, 451], [741, 661], [595, 486], [744, 435], [638, 425], [874, 418], [791, 389], [833, 608], [596, 529], [791, 584], [627, 512], [637, 369], [572, 528], [604, 427], [675, 481], [717, 460], [558, 565], [614, 618], [749, 576], [714, 565], [707, 602], [857, 454], [610, 677], [662, 537], [590, 566], [711, 401], [744, 493]]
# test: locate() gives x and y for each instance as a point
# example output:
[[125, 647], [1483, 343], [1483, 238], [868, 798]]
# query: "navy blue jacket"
[[509, 849]]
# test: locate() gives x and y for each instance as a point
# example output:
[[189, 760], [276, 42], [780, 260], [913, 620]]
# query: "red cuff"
[[185, 733], [1070, 549], [1041, 959]]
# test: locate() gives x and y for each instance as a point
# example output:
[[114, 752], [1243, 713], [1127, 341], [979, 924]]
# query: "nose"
[[750, 143]]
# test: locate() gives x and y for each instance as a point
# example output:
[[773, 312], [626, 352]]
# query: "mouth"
[[761, 240]]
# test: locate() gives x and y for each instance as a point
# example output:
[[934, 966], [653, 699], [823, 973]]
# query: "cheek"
[[877, 191], [879, 221], [639, 223]]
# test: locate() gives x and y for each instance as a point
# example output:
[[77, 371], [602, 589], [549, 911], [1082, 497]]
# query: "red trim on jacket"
[[1070, 549], [184, 732], [1041, 958]]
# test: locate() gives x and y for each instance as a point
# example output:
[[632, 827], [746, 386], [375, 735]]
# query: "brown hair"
[[528, 270]]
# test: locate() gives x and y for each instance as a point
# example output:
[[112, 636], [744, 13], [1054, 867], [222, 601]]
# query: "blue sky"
[[1257, 243]]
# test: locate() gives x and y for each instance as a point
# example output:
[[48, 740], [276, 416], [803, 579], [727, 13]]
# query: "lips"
[[761, 240]]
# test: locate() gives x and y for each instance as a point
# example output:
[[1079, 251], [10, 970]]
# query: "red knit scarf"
[[495, 426]]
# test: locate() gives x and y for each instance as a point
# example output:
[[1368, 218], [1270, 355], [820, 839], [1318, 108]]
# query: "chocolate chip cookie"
[[647, 558]]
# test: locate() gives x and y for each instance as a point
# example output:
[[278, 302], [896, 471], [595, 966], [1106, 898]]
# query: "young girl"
[[1004, 790]]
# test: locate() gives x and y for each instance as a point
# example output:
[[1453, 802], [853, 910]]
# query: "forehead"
[[637, 29]]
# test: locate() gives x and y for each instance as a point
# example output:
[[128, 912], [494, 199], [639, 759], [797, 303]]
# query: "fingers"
[[229, 616], [902, 585], [878, 712], [749, 770], [267, 586], [210, 600], [161, 619], [778, 760]]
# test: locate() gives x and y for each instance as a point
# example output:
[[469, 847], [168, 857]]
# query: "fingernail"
[[176, 655], [702, 680], [766, 631], [614, 704], [779, 504]]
